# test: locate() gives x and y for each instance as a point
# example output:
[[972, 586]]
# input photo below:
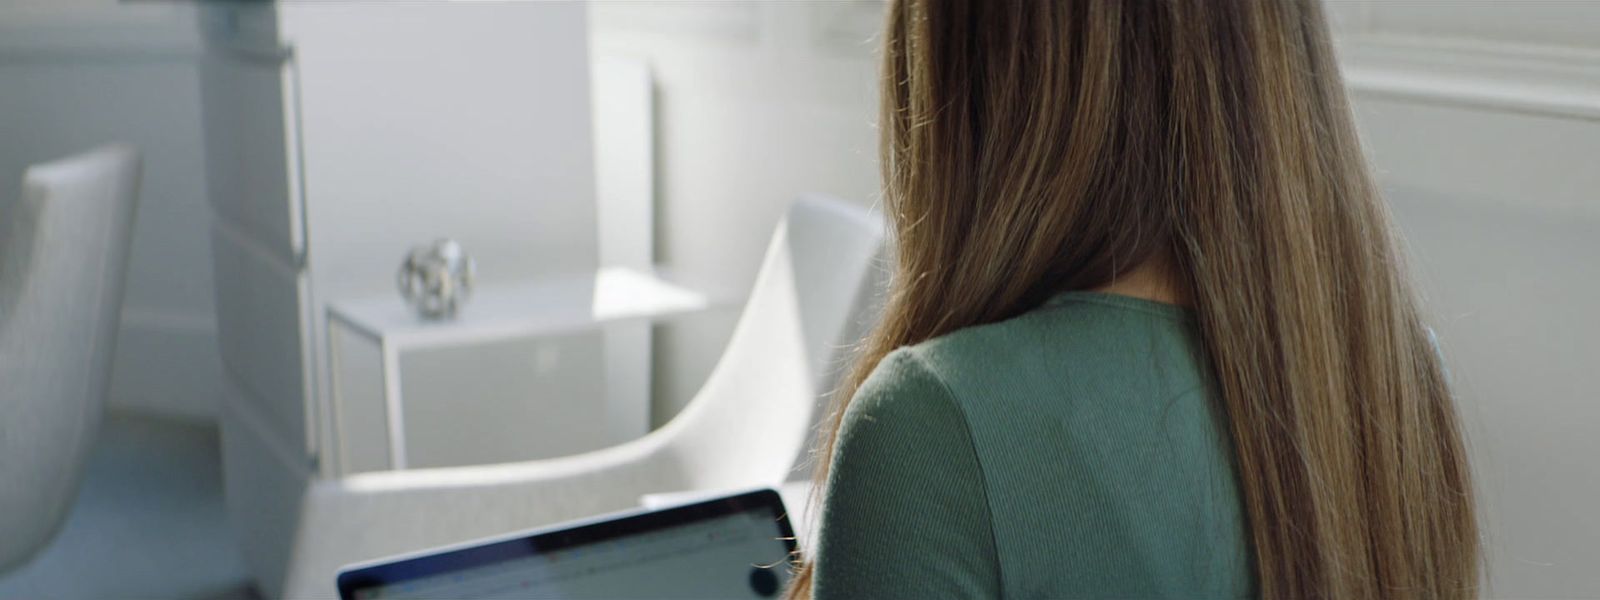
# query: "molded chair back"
[[748, 425], [816, 293], [63, 256]]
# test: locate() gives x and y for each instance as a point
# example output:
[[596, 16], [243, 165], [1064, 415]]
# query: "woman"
[[1148, 335]]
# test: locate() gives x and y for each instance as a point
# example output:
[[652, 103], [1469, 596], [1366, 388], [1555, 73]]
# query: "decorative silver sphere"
[[436, 278]]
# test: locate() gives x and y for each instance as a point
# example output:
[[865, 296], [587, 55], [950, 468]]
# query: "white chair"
[[749, 425], [62, 261]]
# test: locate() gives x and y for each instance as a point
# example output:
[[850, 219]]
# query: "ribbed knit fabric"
[[1076, 451]]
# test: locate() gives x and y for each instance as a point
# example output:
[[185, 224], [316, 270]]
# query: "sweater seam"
[[977, 459]]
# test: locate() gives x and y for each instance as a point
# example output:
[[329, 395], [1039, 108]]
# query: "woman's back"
[[1077, 450], [1031, 148]]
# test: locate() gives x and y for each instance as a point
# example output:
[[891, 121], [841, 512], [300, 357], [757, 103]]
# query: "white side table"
[[525, 371]]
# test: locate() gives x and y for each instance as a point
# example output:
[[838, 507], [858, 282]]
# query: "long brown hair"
[[1030, 147]]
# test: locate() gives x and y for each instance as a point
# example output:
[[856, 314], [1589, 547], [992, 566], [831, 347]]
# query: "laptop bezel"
[[457, 557]]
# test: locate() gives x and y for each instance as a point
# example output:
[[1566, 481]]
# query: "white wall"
[[756, 103], [1483, 121], [77, 74]]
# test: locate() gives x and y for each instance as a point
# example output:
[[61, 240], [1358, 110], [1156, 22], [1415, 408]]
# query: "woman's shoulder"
[[902, 388], [905, 513], [1071, 328], [1077, 350]]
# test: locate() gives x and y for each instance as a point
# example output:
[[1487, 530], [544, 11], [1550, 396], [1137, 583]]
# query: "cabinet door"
[[249, 132], [261, 331], [515, 399]]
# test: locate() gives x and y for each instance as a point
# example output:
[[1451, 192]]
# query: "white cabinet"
[[521, 373], [338, 134]]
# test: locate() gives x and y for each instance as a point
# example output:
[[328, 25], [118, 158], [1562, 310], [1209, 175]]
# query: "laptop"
[[730, 547]]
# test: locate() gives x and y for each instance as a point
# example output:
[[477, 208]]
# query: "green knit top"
[[1076, 451]]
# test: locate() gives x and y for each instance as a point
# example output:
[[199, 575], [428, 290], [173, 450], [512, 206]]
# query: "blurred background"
[[616, 171]]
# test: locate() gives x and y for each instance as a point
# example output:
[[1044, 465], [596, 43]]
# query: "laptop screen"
[[735, 547]]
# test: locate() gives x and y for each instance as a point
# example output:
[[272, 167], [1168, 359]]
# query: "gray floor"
[[148, 521]]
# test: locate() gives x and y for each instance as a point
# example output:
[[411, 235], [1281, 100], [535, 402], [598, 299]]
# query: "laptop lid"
[[732, 547]]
